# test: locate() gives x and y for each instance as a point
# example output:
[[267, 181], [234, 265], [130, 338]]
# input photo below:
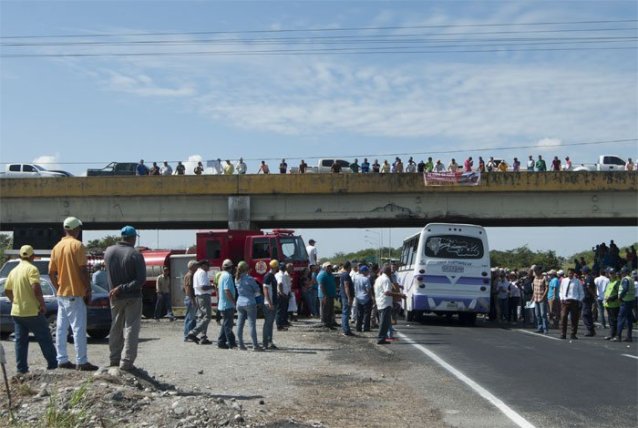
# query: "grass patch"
[[70, 416]]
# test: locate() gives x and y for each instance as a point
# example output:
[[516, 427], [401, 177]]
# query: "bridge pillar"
[[239, 213]]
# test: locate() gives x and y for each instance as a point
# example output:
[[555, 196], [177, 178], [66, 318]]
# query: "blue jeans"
[[601, 312], [385, 321], [282, 310], [310, 301], [226, 335], [163, 303], [39, 326], [625, 317], [269, 319], [189, 317], [540, 311], [363, 315], [249, 312], [345, 316], [71, 310], [503, 307]]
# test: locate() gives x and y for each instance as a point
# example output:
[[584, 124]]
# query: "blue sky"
[[83, 112]]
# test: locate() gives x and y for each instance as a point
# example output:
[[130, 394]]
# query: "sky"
[[86, 83]]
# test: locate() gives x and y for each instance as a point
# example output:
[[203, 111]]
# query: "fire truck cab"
[[256, 248]]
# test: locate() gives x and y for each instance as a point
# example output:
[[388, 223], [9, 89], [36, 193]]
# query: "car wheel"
[[98, 334]]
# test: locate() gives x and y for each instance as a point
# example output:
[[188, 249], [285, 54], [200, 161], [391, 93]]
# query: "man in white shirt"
[[571, 296], [203, 290], [601, 285], [312, 252], [284, 287], [384, 297], [240, 167], [166, 169]]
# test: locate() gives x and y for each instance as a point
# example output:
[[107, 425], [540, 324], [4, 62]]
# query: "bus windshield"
[[454, 247], [292, 248]]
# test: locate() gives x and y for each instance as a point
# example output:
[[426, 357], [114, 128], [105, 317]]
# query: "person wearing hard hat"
[[22, 288], [270, 304]]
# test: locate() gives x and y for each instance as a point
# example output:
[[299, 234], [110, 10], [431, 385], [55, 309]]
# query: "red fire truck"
[[255, 247]]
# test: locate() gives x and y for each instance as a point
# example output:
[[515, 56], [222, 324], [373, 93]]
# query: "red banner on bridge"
[[452, 178]]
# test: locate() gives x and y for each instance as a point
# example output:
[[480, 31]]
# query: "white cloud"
[[144, 85], [548, 144], [48, 161]]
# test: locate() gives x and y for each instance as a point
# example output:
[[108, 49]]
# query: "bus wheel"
[[467, 319]]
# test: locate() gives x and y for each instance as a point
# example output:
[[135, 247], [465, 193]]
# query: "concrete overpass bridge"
[[38, 206]]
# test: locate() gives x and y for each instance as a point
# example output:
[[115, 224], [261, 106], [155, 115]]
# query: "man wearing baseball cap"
[[22, 288], [126, 272], [70, 277]]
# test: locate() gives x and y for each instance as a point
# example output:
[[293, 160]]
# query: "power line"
[[397, 27], [357, 38], [333, 51]]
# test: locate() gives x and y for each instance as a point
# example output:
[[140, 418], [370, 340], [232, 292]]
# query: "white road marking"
[[497, 402], [538, 334], [630, 356]]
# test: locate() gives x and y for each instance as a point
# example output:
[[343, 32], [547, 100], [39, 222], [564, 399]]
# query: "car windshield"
[[38, 167], [41, 264], [45, 285], [292, 248]]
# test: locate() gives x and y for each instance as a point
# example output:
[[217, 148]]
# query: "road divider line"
[[630, 356], [497, 402], [533, 333]]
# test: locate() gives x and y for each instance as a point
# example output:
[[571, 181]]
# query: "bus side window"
[[415, 244]]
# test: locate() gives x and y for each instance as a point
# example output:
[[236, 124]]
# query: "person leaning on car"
[[27, 310]]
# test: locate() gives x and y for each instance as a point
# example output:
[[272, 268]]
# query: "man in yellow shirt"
[[70, 277], [27, 310]]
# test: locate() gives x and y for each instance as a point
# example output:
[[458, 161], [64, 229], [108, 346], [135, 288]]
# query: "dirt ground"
[[317, 378]]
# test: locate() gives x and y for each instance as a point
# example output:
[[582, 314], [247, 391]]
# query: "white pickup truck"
[[324, 166], [605, 163], [30, 170]]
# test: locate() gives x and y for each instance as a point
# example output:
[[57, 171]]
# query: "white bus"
[[445, 269]]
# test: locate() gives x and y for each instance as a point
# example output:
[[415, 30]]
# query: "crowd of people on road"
[[604, 295], [469, 165]]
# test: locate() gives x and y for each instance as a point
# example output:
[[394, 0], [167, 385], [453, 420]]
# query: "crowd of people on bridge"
[[397, 166], [604, 295]]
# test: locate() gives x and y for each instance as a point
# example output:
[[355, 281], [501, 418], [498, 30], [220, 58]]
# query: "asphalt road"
[[546, 381]]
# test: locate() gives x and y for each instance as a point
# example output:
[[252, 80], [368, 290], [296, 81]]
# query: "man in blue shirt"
[[226, 305], [365, 166], [346, 290], [362, 289], [553, 296], [141, 169], [327, 294]]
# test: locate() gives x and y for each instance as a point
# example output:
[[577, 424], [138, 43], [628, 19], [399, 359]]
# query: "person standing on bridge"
[[141, 169], [283, 167], [241, 167], [180, 169], [70, 277], [571, 297], [540, 299], [530, 164], [166, 169], [468, 164], [263, 168], [126, 272], [541, 166]]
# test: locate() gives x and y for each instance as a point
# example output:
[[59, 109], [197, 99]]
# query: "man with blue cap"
[[126, 272]]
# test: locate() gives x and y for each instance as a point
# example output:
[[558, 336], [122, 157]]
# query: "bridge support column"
[[239, 213]]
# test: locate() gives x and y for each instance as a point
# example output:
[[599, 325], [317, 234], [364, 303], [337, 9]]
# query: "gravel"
[[317, 378]]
